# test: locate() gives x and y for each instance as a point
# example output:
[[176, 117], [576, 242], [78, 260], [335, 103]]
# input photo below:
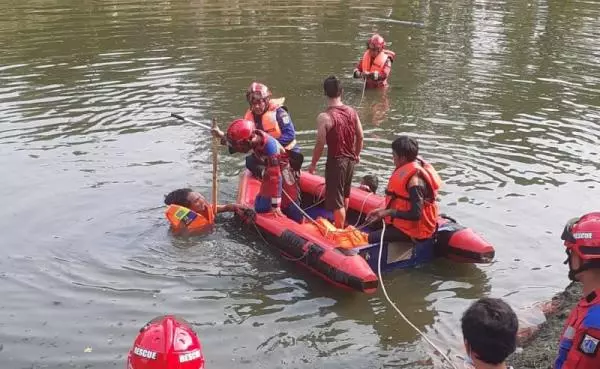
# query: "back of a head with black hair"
[[406, 147], [178, 197], [332, 87], [489, 327], [371, 181]]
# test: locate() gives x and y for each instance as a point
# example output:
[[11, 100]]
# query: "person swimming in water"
[[369, 183], [189, 212]]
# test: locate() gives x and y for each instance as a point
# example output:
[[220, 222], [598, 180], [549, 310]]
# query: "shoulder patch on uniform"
[[589, 345], [285, 117]]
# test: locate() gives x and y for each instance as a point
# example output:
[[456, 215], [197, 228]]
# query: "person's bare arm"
[[323, 122]]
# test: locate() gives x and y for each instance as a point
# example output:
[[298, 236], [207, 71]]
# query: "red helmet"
[[166, 343], [240, 130], [582, 236], [257, 91], [376, 42]]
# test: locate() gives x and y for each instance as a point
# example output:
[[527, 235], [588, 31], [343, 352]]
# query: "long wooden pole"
[[215, 157]]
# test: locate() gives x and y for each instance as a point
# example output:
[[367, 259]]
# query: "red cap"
[[166, 342]]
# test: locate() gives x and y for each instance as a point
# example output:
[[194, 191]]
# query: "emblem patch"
[[285, 118], [589, 345]]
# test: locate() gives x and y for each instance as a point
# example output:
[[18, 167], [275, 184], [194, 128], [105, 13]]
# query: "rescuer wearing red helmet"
[[166, 343], [579, 342], [243, 136], [376, 63], [270, 117]]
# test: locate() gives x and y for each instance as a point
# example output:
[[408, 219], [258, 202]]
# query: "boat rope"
[[363, 91], [320, 201], [314, 221], [362, 207], [398, 310]]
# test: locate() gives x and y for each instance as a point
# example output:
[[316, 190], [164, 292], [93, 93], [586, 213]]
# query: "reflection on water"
[[501, 94]]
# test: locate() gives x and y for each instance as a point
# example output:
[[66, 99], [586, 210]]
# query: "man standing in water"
[[339, 126], [376, 63], [579, 342]]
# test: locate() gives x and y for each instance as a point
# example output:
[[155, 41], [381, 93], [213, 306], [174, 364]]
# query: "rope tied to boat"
[[444, 356], [341, 231]]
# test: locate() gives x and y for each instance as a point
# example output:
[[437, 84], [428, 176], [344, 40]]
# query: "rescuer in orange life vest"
[[411, 211], [579, 346], [376, 63], [190, 213], [269, 117]]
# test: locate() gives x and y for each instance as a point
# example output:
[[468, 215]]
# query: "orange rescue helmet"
[[166, 342]]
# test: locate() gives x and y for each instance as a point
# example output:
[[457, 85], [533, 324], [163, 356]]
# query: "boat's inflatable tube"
[[304, 244]]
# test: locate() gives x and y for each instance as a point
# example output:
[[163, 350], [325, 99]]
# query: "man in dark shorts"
[[339, 126]]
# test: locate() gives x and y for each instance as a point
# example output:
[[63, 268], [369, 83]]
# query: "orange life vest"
[[370, 65], [183, 219], [268, 120], [397, 198], [347, 238]]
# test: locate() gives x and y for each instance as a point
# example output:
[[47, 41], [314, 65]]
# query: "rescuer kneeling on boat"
[[166, 342], [580, 341], [278, 177], [182, 200], [376, 63], [270, 117], [411, 193]]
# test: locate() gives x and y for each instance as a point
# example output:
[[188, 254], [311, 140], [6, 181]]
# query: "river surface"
[[504, 97]]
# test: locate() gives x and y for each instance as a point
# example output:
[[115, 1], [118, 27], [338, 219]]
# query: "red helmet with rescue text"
[[376, 42], [240, 130], [257, 91], [166, 342], [582, 236]]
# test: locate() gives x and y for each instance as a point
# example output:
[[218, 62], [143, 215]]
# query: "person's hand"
[[239, 208], [217, 133], [312, 168], [377, 214], [277, 212], [357, 74], [245, 211], [375, 75]]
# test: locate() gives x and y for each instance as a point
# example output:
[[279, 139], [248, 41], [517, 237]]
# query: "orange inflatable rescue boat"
[[344, 257]]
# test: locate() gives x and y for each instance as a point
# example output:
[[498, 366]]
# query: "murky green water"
[[503, 95]]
